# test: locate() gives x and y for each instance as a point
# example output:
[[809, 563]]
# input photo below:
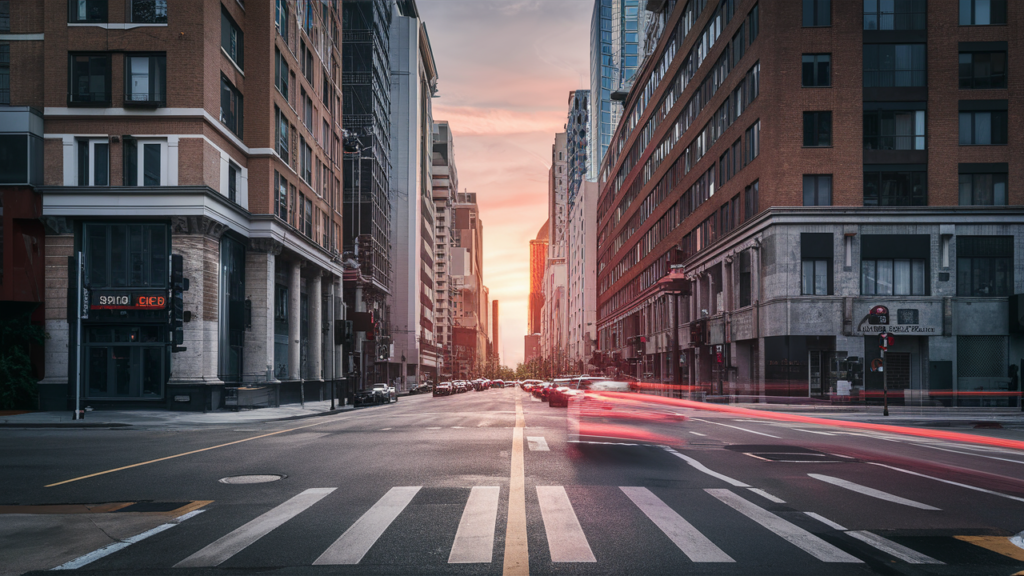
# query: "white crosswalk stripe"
[[351, 546], [566, 540], [474, 542], [241, 538], [695, 545], [854, 487], [790, 532], [537, 444]]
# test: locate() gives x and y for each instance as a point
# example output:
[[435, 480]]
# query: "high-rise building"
[[445, 179], [367, 183], [538, 260], [581, 200], [579, 162], [149, 153], [470, 322], [617, 48], [882, 200], [495, 342], [413, 85], [555, 325]]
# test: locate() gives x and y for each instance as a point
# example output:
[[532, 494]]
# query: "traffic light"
[[179, 284], [885, 340]]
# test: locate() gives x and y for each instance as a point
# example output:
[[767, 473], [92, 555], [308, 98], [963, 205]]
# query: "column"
[[339, 314], [258, 359], [316, 333], [294, 307]]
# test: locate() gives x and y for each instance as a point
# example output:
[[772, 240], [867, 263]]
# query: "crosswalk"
[[684, 522]]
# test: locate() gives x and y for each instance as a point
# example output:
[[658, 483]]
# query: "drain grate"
[[252, 478]]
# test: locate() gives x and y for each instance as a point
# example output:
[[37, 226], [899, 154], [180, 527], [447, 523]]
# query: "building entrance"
[[125, 362]]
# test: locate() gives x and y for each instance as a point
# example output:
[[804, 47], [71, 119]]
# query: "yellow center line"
[[517, 556], [183, 454], [997, 544]]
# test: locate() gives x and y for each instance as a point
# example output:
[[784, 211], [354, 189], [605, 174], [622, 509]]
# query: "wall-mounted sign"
[[128, 301]]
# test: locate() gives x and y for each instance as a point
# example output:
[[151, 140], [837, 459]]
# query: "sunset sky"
[[505, 70]]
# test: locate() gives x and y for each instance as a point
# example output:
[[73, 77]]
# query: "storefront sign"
[[128, 301]]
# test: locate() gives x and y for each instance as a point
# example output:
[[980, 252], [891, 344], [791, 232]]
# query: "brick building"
[[783, 167], [204, 129]]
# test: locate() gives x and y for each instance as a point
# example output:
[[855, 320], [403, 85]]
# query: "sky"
[[505, 69]]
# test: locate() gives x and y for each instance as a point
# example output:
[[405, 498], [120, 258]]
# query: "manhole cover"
[[252, 479]]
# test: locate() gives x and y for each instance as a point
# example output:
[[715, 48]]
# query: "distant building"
[[495, 343], [538, 260], [470, 331], [445, 184], [554, 328], [532, 348]]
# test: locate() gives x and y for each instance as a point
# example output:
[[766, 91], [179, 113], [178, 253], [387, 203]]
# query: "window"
[[983, 189], [93, 162], [982, 12], [281, 196], [984, 265], [894, 14], [899, 277], [753, 24], [982, 70], [281, 74], [983, 128], [144, 162], [149, 11], [308, 217], [307, 111], [738, 46], [145, 79], [887, 186], [233, 171], [894, 129], [126, 255], [817, 13], [306, 159], [89, 82], [894, 65], [282, 133], [87, 11], [817, 69], [817, 189], [817, 128], [745, 283], [5, 73], [230, 107], [231, 38], [750, 205], [5, 16], [281, 18], [753, 142], [814, 277], [306, 60], [816, 256]]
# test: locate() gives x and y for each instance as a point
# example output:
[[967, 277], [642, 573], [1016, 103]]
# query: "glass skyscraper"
[[616, 50]]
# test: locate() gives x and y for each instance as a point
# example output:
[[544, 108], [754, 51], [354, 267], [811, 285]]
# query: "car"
[[498, 383], [566, 388], [443, 389], [387, 392], [371, 397], [424, 388]]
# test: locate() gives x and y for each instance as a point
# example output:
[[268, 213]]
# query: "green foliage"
[[17, 381]]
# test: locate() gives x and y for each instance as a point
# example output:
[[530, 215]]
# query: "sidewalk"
[[169, 419]]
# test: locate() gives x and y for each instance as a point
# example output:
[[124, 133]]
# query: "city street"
[[485, 483]]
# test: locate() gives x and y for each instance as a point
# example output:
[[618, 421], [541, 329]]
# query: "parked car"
[[424, 388], [443, 389], [388, 392], [371, 397]]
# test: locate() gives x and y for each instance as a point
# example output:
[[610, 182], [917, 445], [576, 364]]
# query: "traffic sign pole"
[[885, 387]]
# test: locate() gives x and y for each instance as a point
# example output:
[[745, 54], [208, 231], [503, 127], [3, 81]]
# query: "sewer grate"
[[153, 507], [252, 478]]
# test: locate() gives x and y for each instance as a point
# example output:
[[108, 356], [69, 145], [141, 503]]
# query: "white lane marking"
[[239, 539], [767, 496], [108, 550], [889, 547], [854, 487], [933, 447], [813, 432], [433, 427], [968, 486], [537, 444], [697, 433], [790, 532], [566, 540], [457, 427], [383, 429], [736, 427], [351, 546], [474, 541], [707, 470], [695, 545], [825, 521]]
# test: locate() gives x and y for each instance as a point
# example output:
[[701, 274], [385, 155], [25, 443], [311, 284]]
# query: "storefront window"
[[125, 362], [126, 255], [232, 324]]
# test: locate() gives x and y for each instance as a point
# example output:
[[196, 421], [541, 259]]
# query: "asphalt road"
[[486, 483]]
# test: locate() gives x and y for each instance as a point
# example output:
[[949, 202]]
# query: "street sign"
[[878, 315], [876, 365]]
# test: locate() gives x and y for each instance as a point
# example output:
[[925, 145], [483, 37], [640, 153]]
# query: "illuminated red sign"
[[123, 301]]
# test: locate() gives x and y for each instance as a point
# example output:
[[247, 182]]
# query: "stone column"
[[315, 328], [258, 357], [294, 322]]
